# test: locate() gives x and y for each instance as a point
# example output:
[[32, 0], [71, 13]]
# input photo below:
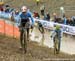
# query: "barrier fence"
[[11, 29], [70, 30], [8, 29]]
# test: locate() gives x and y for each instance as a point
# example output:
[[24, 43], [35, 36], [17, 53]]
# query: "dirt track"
[[67, 43], [9, 51]]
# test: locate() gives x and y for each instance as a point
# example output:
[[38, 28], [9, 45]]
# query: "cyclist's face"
[[24, 10]]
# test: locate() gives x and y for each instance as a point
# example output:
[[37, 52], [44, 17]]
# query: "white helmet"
[[24, 8]]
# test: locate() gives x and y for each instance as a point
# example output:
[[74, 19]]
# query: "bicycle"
[[23, 36], [56, 45]]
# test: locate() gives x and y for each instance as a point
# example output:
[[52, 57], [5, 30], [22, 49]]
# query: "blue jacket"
[[59, 32], [65, 21], [26, 15]]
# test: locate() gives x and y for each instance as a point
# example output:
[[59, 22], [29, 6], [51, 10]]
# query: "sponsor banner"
[[66, 28], [8, 29]]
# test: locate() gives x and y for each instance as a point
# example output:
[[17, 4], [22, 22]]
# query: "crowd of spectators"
[[5, 8], [65, 20], [46, 16]]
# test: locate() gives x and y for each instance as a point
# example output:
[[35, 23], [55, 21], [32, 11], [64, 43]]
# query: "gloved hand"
[[51, 36], [32, 26]]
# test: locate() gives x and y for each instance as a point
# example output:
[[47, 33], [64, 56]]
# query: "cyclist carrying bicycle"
[[24, 18], [58, 34]]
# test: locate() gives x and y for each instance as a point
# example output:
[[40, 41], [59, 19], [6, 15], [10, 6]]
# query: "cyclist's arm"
[[32, 19], [61, 34], [53, 34]]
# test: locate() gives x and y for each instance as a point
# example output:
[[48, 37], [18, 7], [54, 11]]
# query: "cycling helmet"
[[57, 27], [24, 8]]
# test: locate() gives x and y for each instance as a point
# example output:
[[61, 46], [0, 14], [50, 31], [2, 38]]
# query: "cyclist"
[[57, 32], [40, 27], [24, 16]]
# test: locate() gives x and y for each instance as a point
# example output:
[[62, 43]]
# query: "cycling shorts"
[[24, 21]]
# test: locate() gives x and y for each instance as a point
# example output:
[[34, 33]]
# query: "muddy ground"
[[9, 51]]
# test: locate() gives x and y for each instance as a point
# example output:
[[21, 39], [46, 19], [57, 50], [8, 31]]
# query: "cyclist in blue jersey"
[[58, 34], [24, 18]]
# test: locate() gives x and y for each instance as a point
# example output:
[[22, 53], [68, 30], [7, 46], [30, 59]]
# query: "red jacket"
[[1, 8]]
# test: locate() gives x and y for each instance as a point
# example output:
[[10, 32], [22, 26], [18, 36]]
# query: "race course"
[[67, 44], [9, 51]]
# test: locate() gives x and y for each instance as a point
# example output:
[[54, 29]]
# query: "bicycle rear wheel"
[[25, 41], [56, 46]]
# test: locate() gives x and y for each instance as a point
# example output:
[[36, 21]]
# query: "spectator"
[[11, 10], [48, 17], [55, 17], [36, 15], [1, 6], [69, 22], [74, 22], [42, 9], [7, 8], [15, 16], [37, 2], [44, 17], [64, 20], [73, 19]]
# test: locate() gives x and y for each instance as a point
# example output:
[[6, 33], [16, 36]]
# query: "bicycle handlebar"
[[27, 25]]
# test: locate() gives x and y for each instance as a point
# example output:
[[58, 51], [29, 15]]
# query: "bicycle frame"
[[56, 44], [23, 36]]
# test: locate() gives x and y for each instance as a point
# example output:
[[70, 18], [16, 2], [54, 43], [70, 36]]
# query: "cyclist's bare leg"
[[41, 29], [54, 46], [42, 32], [25, 44], [27, 34], [59, 44], [31, 28], [21, 38]]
